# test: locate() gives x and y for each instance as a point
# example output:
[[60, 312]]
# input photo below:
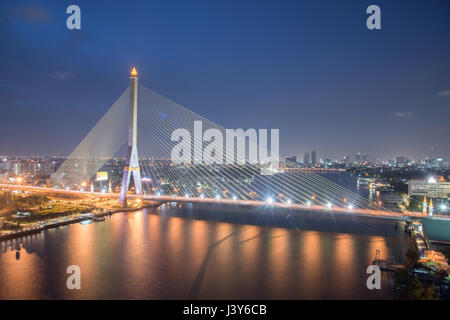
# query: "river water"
[[204, 252]]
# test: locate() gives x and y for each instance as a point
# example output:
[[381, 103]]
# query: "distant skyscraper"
[[313, 158], [347, 161], [306, 159], [364, 157], [292, 159], [400, 161], [291, 162]]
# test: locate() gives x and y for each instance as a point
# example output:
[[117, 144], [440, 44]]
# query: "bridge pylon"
[[132, 161]]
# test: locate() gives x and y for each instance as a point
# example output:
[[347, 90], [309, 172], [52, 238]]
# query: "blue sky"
[[310, 68]]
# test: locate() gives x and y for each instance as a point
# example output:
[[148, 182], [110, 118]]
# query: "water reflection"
[[162, 254]]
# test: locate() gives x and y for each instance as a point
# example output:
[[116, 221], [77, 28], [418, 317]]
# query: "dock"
[[98, 217], [385, 265]]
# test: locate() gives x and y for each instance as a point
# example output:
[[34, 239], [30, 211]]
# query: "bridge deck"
[[255, 203]]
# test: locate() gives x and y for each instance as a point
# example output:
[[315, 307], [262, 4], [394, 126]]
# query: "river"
[[205, 252]]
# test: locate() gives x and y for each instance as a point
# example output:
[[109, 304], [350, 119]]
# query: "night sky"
[[310, 68]]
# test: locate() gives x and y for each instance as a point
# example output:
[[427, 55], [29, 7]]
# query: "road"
[[255, 203]]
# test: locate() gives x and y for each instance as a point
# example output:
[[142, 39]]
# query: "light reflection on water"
[[167, 254]]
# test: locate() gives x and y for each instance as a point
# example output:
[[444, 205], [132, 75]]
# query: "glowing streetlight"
[[289, 201], [350, 206], [269, 200], [234, 198], [308, 203], [431, 180], [329, 205]]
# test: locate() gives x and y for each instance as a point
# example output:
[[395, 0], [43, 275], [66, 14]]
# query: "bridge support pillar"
[[132, 161]]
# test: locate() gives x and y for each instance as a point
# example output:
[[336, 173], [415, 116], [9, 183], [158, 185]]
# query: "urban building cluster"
[[401, 183], [27, 169], [310, 159]]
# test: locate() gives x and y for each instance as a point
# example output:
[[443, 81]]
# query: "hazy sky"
[[310, 68]]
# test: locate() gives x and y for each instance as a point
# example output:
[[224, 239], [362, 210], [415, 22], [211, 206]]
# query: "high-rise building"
[[44, 168], [347, 161], [439, 163], [401, 161], [3, 165], [431, 188], [306, 159], [313, 158], [291, 162], [364, 157], [292, 159], [23, 167]]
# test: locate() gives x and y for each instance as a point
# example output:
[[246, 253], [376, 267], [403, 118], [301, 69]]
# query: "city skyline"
[[229, 150], [338, 91]]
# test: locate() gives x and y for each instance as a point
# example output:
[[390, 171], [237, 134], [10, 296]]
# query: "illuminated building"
[[306, 159], [313, 158], [430, 188]]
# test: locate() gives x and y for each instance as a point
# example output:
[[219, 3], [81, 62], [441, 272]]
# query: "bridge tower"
[[132, 160]]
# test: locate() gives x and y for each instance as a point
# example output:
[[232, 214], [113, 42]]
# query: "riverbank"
[[45, 225]]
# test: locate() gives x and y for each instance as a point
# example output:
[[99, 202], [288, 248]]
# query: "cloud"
[[400, 114], [444, 93], [61, 75], [32, 13]]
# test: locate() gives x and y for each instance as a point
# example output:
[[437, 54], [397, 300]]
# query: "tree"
[[408, 287], [446, 252], [414, 204], [412, 258]]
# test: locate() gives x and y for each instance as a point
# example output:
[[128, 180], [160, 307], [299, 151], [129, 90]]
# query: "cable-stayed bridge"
[[136, 135], [224, 201]]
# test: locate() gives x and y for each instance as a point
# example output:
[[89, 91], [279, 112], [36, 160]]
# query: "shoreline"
[[34, 230]]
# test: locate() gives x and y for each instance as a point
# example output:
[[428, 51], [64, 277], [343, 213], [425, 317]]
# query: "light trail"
[[233, 202]]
